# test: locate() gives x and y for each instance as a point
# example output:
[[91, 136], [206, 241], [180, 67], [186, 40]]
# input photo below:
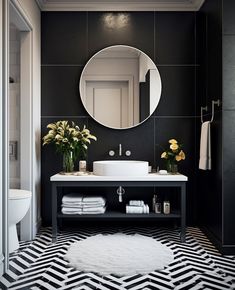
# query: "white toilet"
[[19, 203]]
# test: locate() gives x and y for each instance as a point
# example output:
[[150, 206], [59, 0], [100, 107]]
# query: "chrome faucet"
[[120, 149]]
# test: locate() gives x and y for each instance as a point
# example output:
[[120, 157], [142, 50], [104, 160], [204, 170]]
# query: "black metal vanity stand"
[[59, 182]]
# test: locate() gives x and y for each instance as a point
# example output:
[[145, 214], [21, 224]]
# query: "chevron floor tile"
[[197, 264]]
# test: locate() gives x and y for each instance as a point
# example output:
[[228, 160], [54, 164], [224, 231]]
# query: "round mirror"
[[120, 87]]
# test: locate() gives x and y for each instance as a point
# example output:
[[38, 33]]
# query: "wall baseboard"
[[223, 249]]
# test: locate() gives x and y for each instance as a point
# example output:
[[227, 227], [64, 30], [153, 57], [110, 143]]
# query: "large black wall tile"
[[214, 50], [201, 38], [178, 91], [134, 29], [229, 173], [64, 37], [60, 91], [175, 38], [139, 140]]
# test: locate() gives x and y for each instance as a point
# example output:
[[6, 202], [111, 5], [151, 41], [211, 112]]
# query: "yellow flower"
[[182, 155], [178, 157], [173, 141], [164, 155], [174, 146]]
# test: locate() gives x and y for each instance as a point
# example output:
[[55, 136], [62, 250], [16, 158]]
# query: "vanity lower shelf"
[[119, 215], [60, 182]]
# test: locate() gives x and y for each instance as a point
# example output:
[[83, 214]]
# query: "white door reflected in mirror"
[[120, 87]]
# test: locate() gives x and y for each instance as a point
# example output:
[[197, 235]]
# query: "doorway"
[[20, 111]]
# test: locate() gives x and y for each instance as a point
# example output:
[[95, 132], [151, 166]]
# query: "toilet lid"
[[19, 194]]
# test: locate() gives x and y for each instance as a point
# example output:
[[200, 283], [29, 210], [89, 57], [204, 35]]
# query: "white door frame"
[[5, 131], [126, 78], [26, 119], [27, 225]]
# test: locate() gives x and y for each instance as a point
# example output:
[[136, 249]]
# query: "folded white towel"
[[83, 199], [83, 205], [136, 202], [205, 147], [72, 197], [93, 199], [99, 210], [137, 209]]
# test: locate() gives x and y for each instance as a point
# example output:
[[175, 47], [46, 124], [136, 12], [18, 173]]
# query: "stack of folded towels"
[[137, 206], [74, 203]]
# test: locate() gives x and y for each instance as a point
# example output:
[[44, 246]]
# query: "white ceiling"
[[120, 5]]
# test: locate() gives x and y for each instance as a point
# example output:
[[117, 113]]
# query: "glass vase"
[[172, 167], [68, 161]]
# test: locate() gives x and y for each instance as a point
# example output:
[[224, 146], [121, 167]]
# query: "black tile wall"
[[216, 187], [229, 72], [228, 123], [60, 91], [134, 29], [139, 140], [64, 38], [179, 30], [228, 17], [229, 173], [69, 39], [178, 91]]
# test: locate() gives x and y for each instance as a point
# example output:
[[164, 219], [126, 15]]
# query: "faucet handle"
[[111, 153]]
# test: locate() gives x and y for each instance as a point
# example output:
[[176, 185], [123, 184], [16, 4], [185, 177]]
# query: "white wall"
[[32, 11], [155, 80]]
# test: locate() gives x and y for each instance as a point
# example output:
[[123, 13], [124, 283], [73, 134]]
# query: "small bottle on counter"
[[158, 205], [154, 202], [82, 165], [166, 207]]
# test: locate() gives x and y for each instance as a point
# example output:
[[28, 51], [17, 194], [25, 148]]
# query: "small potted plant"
[[69, 141], [173, 155]]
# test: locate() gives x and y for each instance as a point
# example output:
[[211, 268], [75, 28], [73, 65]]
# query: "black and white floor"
[[197, 265]]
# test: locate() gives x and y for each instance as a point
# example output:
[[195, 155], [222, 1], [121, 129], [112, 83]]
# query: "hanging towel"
[[205, 146]]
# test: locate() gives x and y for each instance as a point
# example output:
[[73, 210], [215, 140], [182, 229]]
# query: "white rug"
[[119, 254]]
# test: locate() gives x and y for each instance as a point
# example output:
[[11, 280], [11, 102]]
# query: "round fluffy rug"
[[119, 254]]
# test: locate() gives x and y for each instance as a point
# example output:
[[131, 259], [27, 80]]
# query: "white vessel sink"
[[120, 168]]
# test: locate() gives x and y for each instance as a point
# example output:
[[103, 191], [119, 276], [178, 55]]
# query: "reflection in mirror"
[[120, 87]]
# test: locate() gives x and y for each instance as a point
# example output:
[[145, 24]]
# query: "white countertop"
[[149, 177]]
